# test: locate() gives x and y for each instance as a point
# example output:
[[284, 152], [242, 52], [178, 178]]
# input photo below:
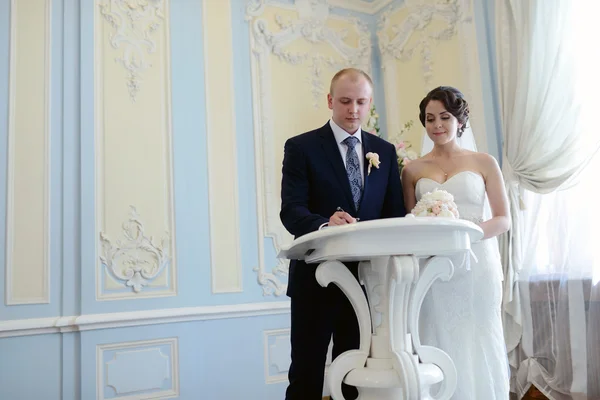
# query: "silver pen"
[[342, 210]]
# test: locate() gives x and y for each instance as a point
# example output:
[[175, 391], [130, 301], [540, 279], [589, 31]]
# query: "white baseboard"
[[39, 326]]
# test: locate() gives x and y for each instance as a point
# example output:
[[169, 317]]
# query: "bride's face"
[[440, 124]]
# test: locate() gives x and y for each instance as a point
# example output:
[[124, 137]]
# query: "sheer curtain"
[[559, 348], [548, 95]]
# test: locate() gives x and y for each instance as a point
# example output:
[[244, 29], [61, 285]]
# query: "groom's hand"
[[341, 218]]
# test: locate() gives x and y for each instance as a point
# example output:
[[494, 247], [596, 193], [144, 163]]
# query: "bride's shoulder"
[[479, 157], [423, 160], [417, 164], [486, 163], [484, 158], [414, 169]]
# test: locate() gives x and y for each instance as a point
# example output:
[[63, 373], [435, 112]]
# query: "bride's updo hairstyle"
[[454, 102]]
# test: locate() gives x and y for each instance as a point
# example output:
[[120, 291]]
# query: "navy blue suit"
[[314, 185]]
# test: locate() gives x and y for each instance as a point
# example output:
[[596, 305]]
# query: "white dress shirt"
[[340, 136]]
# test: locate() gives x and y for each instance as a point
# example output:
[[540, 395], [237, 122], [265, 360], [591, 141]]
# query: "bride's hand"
[[341, 218]]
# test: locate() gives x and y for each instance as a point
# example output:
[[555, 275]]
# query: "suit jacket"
[[315, 184]]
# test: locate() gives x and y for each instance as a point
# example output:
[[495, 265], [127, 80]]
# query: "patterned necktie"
[[353, 170]]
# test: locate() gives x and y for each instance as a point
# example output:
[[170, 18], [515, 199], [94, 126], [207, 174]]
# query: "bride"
[[462, 316]]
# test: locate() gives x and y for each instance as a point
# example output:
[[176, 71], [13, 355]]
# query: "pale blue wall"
[[30, 367], [486, 38], [214, 353]]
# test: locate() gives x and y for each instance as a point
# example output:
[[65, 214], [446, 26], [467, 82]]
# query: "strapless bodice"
[[468, 189]]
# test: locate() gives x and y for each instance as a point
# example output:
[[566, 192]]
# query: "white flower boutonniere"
[[373, 161]]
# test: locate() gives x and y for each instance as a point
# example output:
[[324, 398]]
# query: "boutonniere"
[[373, 161]]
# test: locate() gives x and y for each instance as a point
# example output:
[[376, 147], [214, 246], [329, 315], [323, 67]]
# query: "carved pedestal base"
[[390, 363]]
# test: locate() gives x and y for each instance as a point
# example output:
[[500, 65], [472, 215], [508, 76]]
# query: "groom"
[[326, 182]]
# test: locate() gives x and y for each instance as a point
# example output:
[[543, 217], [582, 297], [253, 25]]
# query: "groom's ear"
[[329, 101]]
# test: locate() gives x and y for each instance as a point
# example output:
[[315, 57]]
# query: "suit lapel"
[[366, 143], [332, 152]]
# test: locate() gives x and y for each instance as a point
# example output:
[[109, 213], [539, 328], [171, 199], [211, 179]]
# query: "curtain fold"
[[543, 90]]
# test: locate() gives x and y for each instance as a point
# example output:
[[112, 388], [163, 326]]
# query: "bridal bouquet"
[[438, 203]]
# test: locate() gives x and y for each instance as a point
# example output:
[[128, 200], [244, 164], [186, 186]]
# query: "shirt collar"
[[341, 135]]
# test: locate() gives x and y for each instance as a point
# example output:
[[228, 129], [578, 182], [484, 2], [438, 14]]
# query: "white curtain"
[[559, 348], [547, 89]]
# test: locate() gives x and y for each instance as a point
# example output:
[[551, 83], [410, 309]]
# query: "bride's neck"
[[446, 150]]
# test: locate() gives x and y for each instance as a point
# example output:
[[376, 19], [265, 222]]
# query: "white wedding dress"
[[462, 316]]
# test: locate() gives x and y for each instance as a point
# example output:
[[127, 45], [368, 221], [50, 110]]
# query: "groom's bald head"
[[353, 75], [349, 98]]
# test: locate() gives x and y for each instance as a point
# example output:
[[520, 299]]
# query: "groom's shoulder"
[[308, 137], [376, 141]]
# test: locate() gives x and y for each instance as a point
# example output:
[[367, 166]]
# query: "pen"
[[342, 210]]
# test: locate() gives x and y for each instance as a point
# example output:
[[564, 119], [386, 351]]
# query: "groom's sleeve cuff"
[[323, 225]]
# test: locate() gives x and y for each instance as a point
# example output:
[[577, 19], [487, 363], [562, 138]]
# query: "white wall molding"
[[471, 69], [27, 257], [362, 6], [148, 263], [130, 356], [274, 356], [123, 15], [411, 37], [86, 322], [265, 44], [137, 37], [224, 218], [392, 97], [366, 7]]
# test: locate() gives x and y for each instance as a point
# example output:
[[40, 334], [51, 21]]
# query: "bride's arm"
[[408, 189], [496, 192]]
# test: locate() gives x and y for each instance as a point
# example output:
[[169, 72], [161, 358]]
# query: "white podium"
[[391, 363]]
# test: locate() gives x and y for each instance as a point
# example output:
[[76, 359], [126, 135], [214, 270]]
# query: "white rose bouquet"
[[438, 203]]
